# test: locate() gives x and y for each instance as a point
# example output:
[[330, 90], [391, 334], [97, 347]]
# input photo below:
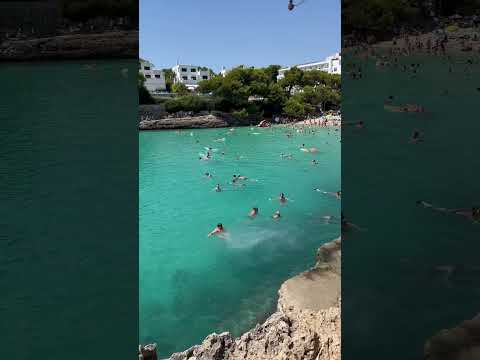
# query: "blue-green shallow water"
[[392, 297], [68, 210], [192, 285]]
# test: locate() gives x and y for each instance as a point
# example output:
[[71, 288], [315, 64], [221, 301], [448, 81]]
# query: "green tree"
[[169, 78], [293, 78], [180, 89], [297, 109], [211, 85]]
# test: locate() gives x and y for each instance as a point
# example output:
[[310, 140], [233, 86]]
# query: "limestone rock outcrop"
[[306, 325]]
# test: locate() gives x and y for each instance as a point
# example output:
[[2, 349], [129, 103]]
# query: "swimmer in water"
[[219, 230], [328, 219], [360, 125], [472, 213], [218, 188], [348, 225], [282, 198], [415, 137], [208, 175], [314, 162], [276, 215], [337, 194], [253, 212]]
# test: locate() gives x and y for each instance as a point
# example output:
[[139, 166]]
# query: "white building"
[[332, 65], [154, 79], [224, 71], [190, 75]]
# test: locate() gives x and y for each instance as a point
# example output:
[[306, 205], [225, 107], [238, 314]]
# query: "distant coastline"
[[111, 44], [153, 117]]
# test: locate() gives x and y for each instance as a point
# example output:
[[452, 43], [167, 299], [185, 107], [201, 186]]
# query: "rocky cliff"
[[306, 325], [115, 44], [193, 122], [459, 343]]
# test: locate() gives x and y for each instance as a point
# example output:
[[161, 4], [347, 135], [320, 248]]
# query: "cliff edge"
[[306, 325]]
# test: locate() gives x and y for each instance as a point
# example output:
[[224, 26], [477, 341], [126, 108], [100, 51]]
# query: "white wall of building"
[[190, 75], [332, 65], [154, 79]]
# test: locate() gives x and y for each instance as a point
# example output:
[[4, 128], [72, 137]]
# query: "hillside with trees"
[[247, 92]]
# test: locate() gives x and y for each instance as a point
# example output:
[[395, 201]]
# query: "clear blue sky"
[[218, 33]]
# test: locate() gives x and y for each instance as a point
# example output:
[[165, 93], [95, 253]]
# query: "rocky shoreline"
[[193, 122], [113, 44], [306, 325], [459, 343]]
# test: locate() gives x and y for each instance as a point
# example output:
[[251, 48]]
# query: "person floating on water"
[[314, 162], [218, 231], [416, 137], [472, 213], [253, 212], [337, 194], [282, 198], [276, 215], [348, 225], [208, 175], [218, 188]]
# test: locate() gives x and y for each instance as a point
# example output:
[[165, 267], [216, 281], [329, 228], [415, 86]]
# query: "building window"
[[193, 70], [185, 77], [184, 69], [146, 68], [205, 77], [148, 76], [194, 78], [157, 76]]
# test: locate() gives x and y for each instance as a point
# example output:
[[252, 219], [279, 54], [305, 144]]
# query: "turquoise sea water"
[[192, 285], [68, 213], [393, 298]]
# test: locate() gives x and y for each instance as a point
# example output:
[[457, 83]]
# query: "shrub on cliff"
[[192, 103], [297, 109], [180, 89]]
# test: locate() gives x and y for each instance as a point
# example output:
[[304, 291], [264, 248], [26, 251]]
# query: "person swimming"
[[282, 198], [219, 230], [337, 194], [276, 215], [415, 138], [208, 175], [345, 225], [253, 212], [472, 213], [314, 162], [218, 188]]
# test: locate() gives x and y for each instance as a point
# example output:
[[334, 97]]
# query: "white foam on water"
[[251, 237]]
